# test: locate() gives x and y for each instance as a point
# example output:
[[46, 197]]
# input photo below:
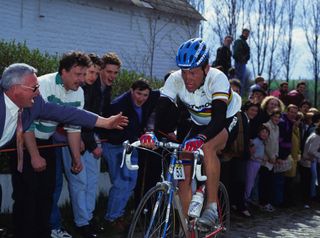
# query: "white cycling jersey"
[[216, 86]]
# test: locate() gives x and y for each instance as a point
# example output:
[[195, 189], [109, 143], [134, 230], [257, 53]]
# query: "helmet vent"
[[184, 57]]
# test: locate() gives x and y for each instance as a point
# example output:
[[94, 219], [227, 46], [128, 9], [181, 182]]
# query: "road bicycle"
[[159, 213]]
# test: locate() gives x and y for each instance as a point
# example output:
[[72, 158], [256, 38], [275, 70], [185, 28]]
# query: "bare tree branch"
[[311, 27]]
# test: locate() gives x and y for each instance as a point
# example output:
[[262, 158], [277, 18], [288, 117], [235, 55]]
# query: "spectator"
[[223, 57], [235, 85], [314, 164], [258, 96], [296, 96], [305, 106], [240, 154], [271, 154], [282, 93], [241, 55], [256, 157], [310, 154], [268, 105], [258, 84], [137, 104], [231, 73], [83, 186], [285, 145], [265, 87], [295, 157], [311, 120], [110, 69], [61, 88]]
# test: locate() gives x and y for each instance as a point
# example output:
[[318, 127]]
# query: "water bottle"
[[196, 203]]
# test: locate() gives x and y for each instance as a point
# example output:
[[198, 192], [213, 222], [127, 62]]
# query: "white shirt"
[[52, 90], [10, 124], [216, 86]]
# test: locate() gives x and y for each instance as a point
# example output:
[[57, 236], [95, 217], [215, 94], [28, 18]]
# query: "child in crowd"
[[257, 156], [271, 154]]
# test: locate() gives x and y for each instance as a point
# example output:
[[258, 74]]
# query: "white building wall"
[[57, 26]]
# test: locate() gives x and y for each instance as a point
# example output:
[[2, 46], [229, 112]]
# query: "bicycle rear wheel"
[[223, 226], [150, 216], [223, 209]]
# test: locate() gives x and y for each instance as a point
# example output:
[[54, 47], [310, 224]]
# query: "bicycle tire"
[[223, 209], [141, 219]]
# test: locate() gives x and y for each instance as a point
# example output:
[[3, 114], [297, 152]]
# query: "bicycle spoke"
[[149, 219]]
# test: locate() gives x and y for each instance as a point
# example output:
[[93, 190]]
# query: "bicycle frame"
[[171, 191]]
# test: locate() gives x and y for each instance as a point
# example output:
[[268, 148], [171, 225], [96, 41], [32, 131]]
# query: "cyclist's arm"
[[218, 119], [166, 115]]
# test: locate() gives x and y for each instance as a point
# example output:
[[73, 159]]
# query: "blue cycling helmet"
[[192, 54]]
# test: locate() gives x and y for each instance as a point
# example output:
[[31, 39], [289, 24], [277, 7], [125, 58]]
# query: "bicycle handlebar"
[[127, 152]]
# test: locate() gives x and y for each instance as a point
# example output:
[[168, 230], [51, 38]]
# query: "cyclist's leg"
[[212, 164], [185, 191]]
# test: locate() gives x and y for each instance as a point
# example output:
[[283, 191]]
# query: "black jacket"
[[98, 102], [135, 128], [223, 58], [241, 50]]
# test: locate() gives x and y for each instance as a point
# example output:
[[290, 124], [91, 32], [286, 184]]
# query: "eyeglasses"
[[34, 88]]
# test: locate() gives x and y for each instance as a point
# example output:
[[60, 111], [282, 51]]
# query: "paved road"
[[293, 222], [284, 223]]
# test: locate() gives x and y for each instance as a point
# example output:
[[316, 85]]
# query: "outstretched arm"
[[114, 122]]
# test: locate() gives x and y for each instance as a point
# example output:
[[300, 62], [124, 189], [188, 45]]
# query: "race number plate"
[[178, 173]]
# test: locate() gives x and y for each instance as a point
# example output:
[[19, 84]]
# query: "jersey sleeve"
[[172, 86], [218, 86]]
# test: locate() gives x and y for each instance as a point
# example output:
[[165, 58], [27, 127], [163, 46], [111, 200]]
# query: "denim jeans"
[[82, 186], [123, 180], [241, 75], [313, 187]]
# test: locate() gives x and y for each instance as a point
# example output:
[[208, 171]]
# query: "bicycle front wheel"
[[149, 219]]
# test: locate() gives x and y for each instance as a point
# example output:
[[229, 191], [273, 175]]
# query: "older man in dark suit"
[[19, 91]]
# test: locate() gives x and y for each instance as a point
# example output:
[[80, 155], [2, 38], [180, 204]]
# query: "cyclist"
[[212, 104]]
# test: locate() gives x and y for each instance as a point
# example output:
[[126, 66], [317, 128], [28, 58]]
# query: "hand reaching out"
[[114, 122]]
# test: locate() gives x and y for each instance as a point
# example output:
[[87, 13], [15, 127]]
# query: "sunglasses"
[[34, 88]]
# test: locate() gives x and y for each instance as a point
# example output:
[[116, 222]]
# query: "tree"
[[287, 48], [199, 6], [311, 26], [260, 30], [226, 17], [276, 9]]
